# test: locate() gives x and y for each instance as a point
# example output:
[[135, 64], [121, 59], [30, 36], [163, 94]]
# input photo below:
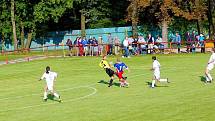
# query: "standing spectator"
[[178, 41], [90, 42], [142, 44], [76, 46], [85, 46], [116, 45], [69, 44], [189, 42], [125, 47], [100, 45], [150, 41], [110, 44], [202, 43], [80, 46], [95, 46]]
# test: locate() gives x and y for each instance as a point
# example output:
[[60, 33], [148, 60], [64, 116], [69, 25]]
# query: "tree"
[[13, 23], [5, 20], [94, 12], [165, 10]]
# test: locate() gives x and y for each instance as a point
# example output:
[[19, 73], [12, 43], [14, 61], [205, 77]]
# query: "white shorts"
[[50, 87], [210, 66], [157, 75], [85, 49]]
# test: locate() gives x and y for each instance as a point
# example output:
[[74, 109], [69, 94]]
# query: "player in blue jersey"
[[120, 66]]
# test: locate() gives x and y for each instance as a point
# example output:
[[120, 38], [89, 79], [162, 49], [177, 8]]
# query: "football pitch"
[[86, 96]]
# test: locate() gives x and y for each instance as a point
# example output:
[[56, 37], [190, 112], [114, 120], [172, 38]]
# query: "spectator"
[[202, 43], [134, 46], [150, 41], [125, 47], [130, 48], [76, 46], [80, 46], [85, 46], [90, 42], [142, 45], [69, 44], [178, 41], [110, 44], [189, 42], [95, 46], [116, 45], [159, 44], [100, 45]]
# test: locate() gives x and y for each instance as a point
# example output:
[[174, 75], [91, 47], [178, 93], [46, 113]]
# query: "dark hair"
[[154, 58], [47, 69], [213, 49]]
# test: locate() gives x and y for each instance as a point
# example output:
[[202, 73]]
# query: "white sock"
[[207, 79], [56, 95], [210, 77], [153, 83], [163, 80], [45, 95]]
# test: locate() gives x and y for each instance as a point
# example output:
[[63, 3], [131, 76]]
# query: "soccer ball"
[[111, 63]]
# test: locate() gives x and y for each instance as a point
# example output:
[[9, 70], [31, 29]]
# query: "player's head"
[[47, 69], [104, 57], [154, 58], [213, 50]]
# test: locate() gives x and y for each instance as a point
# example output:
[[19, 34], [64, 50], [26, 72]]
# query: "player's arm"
[[43, 76], [211, 60], [101, 64], [126, 67]]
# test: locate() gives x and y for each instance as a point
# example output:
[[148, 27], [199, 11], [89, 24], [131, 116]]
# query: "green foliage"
[[102, 23], [51, 9]]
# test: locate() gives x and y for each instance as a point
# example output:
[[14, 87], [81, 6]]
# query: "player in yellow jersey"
[[104, 64]]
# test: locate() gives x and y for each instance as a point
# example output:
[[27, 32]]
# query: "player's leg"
[[156, 78], [164, 80], [207, 72], [53, 92], [111, 75], [45, 95]]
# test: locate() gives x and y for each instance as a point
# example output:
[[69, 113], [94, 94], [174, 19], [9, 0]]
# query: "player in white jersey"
[[156, 72], [210, 66], [50, 78]]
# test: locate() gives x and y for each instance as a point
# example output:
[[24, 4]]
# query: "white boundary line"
[[18, 97], [68, 100]]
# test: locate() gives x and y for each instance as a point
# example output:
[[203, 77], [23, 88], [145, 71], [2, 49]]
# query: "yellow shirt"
[[104, 64]]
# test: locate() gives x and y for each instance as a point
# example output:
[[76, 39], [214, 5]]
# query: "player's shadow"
[[150, 83], [107, 83], [202, 79], [51, 97]]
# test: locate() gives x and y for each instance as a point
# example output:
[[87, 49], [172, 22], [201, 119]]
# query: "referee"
[[104, 64]]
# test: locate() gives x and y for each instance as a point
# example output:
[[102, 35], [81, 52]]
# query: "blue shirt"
[[84, 43], [178, 39], [120, 66]]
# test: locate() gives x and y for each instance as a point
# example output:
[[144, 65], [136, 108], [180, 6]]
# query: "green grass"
[[186, 98]]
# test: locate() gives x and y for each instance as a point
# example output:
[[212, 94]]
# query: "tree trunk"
[[210, 20], [198, 27], [83, 33], [165, 33], [22, 35], [134, 19], [28, 43], [13, 24]]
